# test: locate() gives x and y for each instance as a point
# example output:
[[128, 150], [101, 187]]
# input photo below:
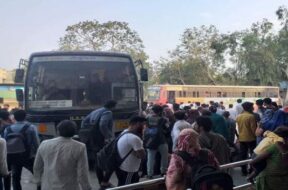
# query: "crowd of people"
[[237, 133], [152, 146]]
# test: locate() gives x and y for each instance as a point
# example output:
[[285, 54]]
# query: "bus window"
[[171, 96], [207, 94], [184, 93], [194, 94], [219, 94], [88, 82], [153, 93], [243, 94]]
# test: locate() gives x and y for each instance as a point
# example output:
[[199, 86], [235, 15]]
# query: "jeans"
[[163, 150], [245, 148]]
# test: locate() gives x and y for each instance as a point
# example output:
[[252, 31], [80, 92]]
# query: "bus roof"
[[99, 53], [214, 86]]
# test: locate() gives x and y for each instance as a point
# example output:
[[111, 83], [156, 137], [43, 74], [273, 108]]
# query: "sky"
[[28, 26]]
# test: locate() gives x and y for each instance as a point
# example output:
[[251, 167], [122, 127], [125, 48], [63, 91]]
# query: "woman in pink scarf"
[[178, 170]]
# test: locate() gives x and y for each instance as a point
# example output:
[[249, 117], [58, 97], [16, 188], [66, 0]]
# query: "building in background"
[[6, 76], [8, 88]]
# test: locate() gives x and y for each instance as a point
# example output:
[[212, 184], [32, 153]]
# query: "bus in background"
[[161, 94], [8, 94], [69, 85]]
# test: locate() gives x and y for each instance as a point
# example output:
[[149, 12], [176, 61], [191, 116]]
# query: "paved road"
[[27, 181]]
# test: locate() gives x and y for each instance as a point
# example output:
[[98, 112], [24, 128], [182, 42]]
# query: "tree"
[[282, 51], [109, 36], [193, 61], [251, 55]]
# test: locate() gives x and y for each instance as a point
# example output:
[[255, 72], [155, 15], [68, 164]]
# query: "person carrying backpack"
[[155, 140], [131, 151], [193, 167], [22, 143], [97, 131], [123, 155], [214, 142]]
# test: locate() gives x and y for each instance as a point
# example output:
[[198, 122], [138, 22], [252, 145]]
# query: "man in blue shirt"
[[103, 118], [32, 141], [273, 117]]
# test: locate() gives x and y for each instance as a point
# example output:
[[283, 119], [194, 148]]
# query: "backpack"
[[204, 176], [91, 136], [153, 134], [17, 141], [108, 158]]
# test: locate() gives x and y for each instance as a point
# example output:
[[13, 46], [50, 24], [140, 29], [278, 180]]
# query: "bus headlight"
[[42, 128]]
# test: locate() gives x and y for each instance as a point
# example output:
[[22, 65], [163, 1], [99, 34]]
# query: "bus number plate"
[[121, 125]]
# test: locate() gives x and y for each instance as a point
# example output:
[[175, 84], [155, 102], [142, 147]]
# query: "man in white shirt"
[[232, 112], [61, 163], [130, 145], [238, 107], [179, 125]]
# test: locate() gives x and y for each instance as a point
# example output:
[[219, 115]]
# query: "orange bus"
[[162, 94]]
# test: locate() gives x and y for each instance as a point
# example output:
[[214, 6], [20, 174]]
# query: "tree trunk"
[[211, 80], [285, 101], [180, 74]]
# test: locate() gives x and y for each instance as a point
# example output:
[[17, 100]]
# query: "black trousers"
[[7, 179], [102, 175], [17, 171], [245, 148], [125, 178]]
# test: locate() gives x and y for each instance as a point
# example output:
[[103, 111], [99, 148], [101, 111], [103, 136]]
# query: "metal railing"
[[161, 180]]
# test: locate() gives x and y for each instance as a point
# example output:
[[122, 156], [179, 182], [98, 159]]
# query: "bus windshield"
[[80, 82], [153, 93]]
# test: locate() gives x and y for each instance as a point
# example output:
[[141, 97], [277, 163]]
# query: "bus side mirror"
[[19, 76], [19, 95], [143, 74]]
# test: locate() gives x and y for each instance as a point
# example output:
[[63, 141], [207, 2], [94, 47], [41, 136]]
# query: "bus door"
[[171, 96]]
